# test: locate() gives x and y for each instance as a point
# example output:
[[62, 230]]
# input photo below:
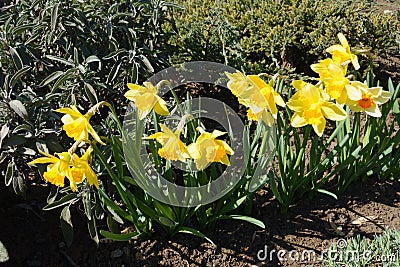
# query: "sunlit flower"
[[334, 78], [172, 147], [311, 106], [257, 95], [82, 169], [368, 100], [342, 53], [76, 125], [208, 149], [146, 98], [58, 169]]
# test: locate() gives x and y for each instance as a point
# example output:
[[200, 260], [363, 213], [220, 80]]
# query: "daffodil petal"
[[94, 134], [298, 121], [73, 112], [353, 93], [161, 107], [333, 112], [374, 111], [320, 127]]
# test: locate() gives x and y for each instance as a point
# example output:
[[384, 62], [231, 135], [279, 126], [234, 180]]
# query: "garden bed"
[[33, 237]]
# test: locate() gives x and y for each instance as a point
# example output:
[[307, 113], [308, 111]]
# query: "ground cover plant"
[[278, 36], [78, 104]]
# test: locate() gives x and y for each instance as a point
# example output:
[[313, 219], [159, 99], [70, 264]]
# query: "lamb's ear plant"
[[382, 250]]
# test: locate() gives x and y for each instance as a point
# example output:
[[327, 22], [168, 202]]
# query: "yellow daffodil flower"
[[342, 53], [257, 95], [58, 169], [146, 98], [82, 169], [334, 78], [311, 106], [172, 147], [76, 125], [368, 100], [208, 149]]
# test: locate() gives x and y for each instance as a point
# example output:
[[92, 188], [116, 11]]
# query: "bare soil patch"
[[33, 237]]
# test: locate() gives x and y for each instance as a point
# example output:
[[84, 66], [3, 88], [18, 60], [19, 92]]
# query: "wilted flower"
[[146, 98], [367, 99], [257, 95], [342, 53], [172, 147], [311, 106], [208, 149]]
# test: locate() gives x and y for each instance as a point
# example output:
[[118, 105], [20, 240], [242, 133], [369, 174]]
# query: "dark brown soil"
[[33, 237]]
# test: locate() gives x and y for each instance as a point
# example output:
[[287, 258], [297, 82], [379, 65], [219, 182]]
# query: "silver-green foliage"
[[382, 250], [54, 54]]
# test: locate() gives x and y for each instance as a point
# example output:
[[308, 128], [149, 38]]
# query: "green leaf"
[[66, 225], [22, 127], [3, 133], [111, 205], [22, 28], [93, 230], [16, 58], [63, 201], [246, 143], [233, 205], [147, 63], [165, 210], [19, 184], [323, 191], [242, 218], [10, 173], [91, 93], [26, 151], [195, 232], [18, 75], [51, 78], [61, 60], [4, 257], [119, 237], [3, 156], [19, 108], [69, 73], [114, 54], [114, 72], [41, 145], [54, 15], [167, 222], [92, 59], [14, 140]]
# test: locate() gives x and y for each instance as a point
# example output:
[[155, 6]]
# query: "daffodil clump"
[[312, 104], [255, 94], [205, 150], [68, 164]]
